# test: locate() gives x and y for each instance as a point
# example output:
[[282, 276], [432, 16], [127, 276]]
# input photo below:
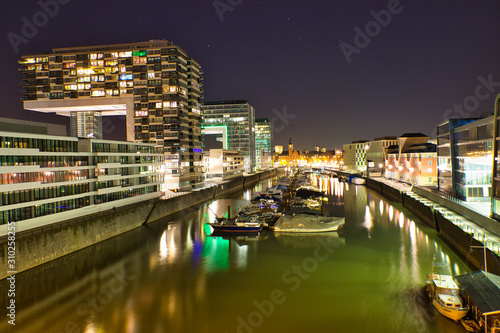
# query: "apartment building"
[[154, 84]]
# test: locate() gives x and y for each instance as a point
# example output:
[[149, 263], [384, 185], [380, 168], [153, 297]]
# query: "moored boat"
[[233, 225], [307, 223], [445, 295]]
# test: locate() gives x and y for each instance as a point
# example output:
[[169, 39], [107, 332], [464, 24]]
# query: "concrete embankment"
[[461, 241], [39, 246]]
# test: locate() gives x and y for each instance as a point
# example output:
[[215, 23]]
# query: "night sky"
[[286, 59]]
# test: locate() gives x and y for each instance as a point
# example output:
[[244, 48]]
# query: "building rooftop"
[[386, 138], [236, 101], [483, 290], [413, 135]]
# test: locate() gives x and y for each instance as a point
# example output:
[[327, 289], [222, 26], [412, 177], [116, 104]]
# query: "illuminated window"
[[98, 93], [141, 113], [111, 62], [125, 54], [83, 79]]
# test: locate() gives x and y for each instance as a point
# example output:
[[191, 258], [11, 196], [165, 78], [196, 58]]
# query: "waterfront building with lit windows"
[[154, 84], [465, 158], [413, 160], [263, 143], [46, 179], [495, 190], [376, 153], [223, 164], [446, 153], [355, 156], [235, 121]]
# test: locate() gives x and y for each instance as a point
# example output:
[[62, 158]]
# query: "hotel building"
[[234, 121], [46, 179], [154, 84], [263, 143]]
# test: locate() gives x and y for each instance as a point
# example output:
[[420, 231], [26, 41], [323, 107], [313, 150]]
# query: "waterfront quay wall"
[[41, 245], [462, 242], [471, 249]]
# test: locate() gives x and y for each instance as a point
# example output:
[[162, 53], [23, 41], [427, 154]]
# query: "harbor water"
[[173, 276]]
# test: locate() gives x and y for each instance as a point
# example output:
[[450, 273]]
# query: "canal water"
[[172, 276]]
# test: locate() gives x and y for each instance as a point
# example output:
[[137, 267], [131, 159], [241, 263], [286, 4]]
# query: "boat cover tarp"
[[308, 223], [483, 290]]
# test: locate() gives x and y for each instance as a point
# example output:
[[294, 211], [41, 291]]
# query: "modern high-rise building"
[[263, 143], [234, 121], [155, 84]]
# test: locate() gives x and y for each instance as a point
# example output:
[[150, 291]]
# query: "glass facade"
[[263, 143], [239, 118], [465, 157], [495, 195], [46, 175]]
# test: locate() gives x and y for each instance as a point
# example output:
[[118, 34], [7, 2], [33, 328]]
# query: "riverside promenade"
[[464, 226]]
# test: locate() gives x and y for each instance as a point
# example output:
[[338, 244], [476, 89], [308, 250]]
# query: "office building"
[[46, 179], [376, 153], [234, 121], [495, 190], [223, 164], [154, 84], [465, 158], [263, 143], [355, 156]]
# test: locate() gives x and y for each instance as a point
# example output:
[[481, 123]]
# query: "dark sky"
[[284, 57]]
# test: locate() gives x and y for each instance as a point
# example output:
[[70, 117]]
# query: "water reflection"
[[174, 276]]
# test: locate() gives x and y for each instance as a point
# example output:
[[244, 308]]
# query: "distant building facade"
[[412, 160], [376, 153], [263, 143], [355, 156], [223, 164], [238, 119]]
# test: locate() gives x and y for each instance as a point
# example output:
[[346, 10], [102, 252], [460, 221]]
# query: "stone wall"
[[41, 245]]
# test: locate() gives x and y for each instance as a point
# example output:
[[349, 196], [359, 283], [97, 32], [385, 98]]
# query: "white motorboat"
[[445, 295], [358, 181]]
